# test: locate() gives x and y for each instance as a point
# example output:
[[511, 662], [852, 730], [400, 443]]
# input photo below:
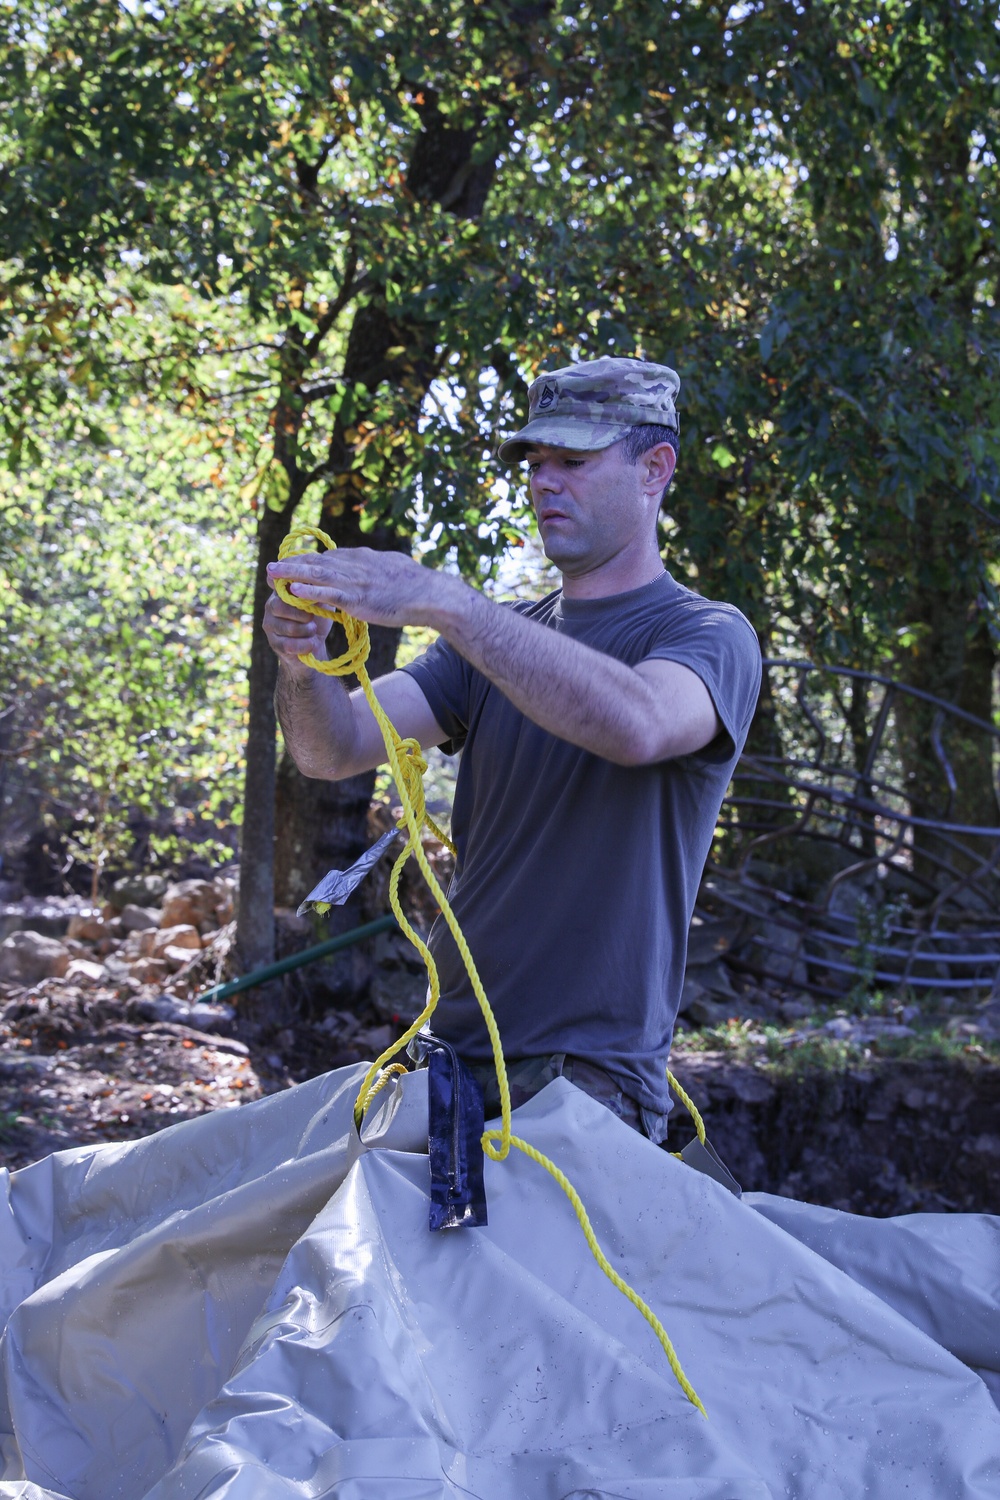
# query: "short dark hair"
[[639, 440]]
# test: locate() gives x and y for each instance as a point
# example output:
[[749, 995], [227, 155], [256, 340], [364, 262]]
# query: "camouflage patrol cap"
[[591, 405]]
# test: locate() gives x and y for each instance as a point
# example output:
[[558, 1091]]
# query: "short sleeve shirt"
[[576, 878]]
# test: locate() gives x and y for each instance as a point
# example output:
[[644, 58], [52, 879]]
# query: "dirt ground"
[[80, 1066], [822, 1115]]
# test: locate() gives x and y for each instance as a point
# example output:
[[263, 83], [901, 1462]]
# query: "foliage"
[[122, 631], [783, 1051], [335, 241]]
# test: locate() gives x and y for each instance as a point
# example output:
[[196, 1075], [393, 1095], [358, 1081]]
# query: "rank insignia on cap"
[[594, 403]]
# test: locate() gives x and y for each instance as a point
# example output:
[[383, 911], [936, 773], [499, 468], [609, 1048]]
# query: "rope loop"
[[394, 1070], [358, 640]]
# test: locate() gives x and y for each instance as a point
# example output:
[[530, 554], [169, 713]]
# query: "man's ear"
[[659, 462]]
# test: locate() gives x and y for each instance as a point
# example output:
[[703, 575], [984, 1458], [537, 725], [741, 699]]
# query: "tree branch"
[[348, 289]]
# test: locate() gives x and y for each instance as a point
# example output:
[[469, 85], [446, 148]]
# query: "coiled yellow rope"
[[408, 766]]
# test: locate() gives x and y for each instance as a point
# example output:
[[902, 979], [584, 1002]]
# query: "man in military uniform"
[[599, 728]]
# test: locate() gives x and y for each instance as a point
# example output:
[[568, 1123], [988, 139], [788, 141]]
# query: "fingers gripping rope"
[[408, 766]]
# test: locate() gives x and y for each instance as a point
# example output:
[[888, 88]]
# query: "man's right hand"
[[293, 633]]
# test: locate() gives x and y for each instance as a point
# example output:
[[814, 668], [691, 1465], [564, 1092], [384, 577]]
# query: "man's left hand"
[[383, 588]]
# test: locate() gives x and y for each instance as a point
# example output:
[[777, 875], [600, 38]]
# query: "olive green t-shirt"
[[576, 878]]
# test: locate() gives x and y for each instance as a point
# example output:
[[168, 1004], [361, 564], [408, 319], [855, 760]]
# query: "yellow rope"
[[606, 1267], [392, 1071], [691, 1108], [408, 766]]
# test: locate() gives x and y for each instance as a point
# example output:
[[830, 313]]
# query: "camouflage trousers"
[[527, 1076]]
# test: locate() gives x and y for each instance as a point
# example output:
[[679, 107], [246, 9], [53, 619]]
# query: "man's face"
[[590, 506]]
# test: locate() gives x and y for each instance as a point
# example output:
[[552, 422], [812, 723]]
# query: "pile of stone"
[[149, 932]]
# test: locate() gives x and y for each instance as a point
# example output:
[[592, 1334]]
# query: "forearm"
[[629, 715], [316, 720], [581, 695]]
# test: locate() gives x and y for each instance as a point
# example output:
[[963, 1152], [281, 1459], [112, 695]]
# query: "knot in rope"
[[412, 765]]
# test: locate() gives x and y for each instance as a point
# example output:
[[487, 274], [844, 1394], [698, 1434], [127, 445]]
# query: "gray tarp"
[[250, 1305]]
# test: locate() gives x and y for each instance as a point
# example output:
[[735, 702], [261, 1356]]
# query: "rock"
[[377, 1040], [714, 978], [150, 970], [225, 900], [749, 1086], [220, 935], [138, 945], [166, 1008], [27, 957], [795, 1010], [396, 993], [840, 1027], [182, 935], [342, 1023], [140, 918], [49, 915], [291, 933], [100, 931], [191, 903], [855, 900], [690, 992], [877, 1027], [987, 1018], [214, 1018], [393, 950], [176, 957], [117, 970], [191, 1034], [781, 952], [89, 928], [709, 938], [705, 1012], [14, 1066], [158, 1008], [138, 890], [85, 968]]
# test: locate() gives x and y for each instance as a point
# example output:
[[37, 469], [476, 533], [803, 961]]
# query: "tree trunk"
[[954, 659], [255, 912], [323, 824]]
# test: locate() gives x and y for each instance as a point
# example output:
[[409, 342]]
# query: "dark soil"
[[892, 1136], [804, 1113], [82, 1067]]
